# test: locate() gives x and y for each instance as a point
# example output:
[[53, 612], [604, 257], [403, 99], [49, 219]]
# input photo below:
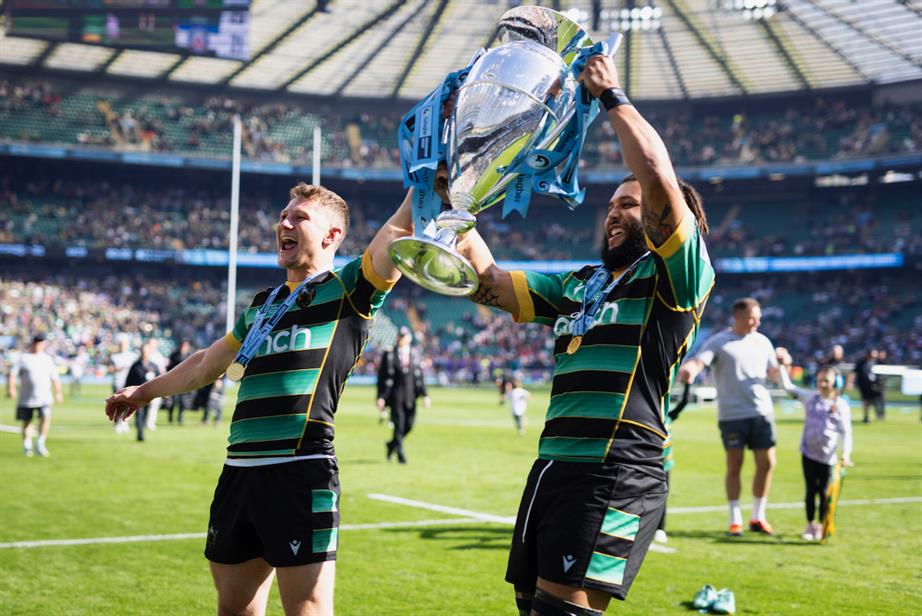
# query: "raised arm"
[[644, 153], [496, 288], [199, 369], [400, 224]]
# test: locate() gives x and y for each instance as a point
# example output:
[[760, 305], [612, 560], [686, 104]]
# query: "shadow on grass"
[[467, 537], [750, 539]]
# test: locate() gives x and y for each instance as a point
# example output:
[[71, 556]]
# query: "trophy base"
[[434, 266]]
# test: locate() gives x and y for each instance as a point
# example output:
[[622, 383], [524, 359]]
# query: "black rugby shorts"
[[586, 525], [286, 513]]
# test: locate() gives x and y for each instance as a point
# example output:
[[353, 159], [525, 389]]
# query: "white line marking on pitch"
[[12, 429], [143, 538], [469, 517], [860, 501], [474, 515], [483, 517]]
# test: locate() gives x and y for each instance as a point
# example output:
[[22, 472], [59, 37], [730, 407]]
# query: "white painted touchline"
[[91, 540], [12, 429], [145, 538]]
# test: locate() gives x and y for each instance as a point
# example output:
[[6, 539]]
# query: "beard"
[[628, 251]]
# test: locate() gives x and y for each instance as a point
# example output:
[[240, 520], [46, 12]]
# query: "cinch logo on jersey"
[[294, 339], [563, 326]]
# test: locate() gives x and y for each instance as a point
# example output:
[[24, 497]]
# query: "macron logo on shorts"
[[295, 545], [568, 561]]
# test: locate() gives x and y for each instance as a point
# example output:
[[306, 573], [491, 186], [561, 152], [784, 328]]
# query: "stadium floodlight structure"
[[752, 9]]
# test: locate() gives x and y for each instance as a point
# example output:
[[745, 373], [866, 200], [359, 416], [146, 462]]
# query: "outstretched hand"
[[123, 403]]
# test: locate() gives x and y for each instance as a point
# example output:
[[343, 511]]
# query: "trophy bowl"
[[516, 98], [434, 263]]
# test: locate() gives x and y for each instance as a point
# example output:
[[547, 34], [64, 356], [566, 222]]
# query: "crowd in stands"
[[100, 213], [813, 129], [844, 223], [91, 316], [807, 314]]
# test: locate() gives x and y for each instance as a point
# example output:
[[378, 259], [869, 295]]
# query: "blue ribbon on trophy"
[[516, 128], [422, 141]]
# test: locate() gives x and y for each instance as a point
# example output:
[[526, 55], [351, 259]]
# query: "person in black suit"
[[400, 384], [180, 402], [140, 372]]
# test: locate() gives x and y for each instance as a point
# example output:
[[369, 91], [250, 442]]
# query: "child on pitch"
[[518, 404], [827, 418]]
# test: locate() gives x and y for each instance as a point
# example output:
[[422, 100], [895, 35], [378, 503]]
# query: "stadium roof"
[[674, 49]]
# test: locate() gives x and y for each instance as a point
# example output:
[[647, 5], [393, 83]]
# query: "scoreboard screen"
[[217, 28]]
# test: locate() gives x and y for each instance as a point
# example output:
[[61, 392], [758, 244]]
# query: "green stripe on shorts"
[[323, 501], [620, 524], [604, 568], [325, 540]]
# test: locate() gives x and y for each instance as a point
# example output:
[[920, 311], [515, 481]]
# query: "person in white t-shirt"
[[741, 359], [518, 403], [31, 380]]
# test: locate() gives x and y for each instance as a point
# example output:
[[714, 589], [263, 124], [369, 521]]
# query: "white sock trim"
[[758, 507], [736, 515]]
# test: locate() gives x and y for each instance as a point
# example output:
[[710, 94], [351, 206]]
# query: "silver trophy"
[[516, 99]]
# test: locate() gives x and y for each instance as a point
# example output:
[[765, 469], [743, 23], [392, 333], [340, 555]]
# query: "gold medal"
[[573, 347], [235, 371]]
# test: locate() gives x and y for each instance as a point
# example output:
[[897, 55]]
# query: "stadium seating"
[[771, 131], [61, 207]]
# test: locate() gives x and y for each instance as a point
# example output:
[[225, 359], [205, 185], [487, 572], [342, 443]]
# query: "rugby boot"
[[761, 526], [725, 603], [705, 597]]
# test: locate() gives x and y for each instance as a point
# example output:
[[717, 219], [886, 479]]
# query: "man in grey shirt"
[[32, 378], [741, 359]]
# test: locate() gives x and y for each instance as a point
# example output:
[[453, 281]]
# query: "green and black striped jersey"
[[291, 388], [609, 397]]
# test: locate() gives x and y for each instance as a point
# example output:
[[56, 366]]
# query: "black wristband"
[[612, 97]]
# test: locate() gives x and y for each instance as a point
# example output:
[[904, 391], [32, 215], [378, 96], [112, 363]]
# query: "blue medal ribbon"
[[595, 295], [260, 329]]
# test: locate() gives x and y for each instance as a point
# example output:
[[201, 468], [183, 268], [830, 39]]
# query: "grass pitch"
[[463, 454]]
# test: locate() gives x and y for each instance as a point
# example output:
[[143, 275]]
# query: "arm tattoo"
[[485, 295], [657, 226]]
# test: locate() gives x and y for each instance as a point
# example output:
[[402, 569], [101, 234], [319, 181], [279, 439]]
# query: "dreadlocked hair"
[[692, 200]]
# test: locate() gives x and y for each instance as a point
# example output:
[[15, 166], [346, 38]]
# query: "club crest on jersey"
[[563, 326], [292, 339]]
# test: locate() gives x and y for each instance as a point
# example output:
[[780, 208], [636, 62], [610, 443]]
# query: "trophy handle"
[[435, 263]]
